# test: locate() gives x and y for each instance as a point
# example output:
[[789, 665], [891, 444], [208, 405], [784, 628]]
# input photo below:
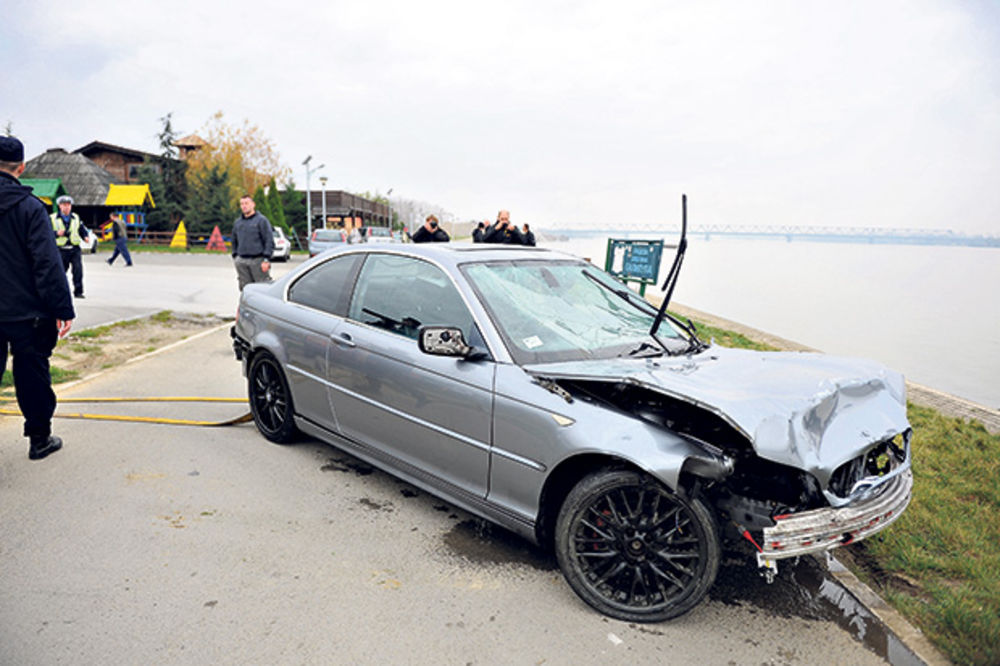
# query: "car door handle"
[[344, 340]]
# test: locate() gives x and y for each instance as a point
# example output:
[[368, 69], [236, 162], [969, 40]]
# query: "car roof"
[[453, 254]]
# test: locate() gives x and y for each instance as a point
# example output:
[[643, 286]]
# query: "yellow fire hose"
[[140, 419]]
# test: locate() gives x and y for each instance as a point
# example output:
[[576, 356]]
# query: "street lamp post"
[[388, 202], [309, 172], [322, 180]]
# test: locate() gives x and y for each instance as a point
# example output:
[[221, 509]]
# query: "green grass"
[[947, 544], [59, 376], [725, 338], [91, 333], [939, 564]]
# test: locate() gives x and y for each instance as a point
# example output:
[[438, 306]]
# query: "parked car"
[[324, 239], [282, 246], [89, 243], [535, 391], [379, 235]]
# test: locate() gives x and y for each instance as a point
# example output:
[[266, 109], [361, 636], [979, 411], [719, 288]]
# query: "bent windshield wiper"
[[624, 294]]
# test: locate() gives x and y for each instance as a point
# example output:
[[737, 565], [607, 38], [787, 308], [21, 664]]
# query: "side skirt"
[[429, 483]]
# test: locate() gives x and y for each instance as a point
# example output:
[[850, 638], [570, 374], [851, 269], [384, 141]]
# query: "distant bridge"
[[874, 235]]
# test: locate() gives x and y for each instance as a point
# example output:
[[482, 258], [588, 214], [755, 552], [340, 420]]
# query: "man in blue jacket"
[[36, 308]]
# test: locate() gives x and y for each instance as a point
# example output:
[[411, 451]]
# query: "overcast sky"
[[871, 113]]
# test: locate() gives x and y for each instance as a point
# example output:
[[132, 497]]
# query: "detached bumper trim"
[[823, 529]]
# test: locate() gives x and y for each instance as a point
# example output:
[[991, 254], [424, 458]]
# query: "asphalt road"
[[163, 544], [202, 283]]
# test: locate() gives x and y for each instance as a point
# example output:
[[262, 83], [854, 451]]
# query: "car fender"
[[538, 431]]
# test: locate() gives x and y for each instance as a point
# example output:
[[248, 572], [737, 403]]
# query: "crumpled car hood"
[[810, 411]]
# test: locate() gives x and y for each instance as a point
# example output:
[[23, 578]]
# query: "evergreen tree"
[[294, 205], [275, 205], [156, 218], [167, 183], [210, 201], [263, 205]]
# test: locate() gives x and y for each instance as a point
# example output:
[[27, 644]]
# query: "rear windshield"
[[329, 235]]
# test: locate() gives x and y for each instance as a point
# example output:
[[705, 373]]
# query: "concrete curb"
[[901, 643]]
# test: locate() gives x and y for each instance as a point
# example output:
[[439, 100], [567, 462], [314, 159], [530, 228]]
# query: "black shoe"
[[43, 447], [78, 296], [109, 261]]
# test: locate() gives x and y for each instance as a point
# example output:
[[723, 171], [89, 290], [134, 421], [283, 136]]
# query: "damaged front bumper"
[[822, 529]]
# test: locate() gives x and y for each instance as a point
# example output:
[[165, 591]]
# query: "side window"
[[326, 287], [401, 294]]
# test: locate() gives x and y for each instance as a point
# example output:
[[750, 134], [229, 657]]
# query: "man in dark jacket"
[[503, 231], [431, 232], [253, 244], [479, 231], [36, 308], [528, 235]]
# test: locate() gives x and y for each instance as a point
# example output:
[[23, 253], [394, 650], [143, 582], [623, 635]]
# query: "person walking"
[[253, 244], [70, 232], [36, 308], [120, 234]]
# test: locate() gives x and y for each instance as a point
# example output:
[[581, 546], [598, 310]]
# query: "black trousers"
[[73, 257], [31, 342]]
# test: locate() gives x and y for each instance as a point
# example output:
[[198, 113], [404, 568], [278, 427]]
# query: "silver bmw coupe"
[[534, 390]]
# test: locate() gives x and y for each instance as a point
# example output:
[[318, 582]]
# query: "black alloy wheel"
[[270, 399], [635, 550]]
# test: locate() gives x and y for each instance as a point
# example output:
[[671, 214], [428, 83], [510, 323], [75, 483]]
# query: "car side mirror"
[[443, 341]]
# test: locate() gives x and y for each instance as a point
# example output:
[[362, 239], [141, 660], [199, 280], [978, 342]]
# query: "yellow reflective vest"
[[74, 229]]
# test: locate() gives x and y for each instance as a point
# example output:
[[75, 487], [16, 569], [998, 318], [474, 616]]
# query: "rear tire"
[[635, 550], [270, 399]]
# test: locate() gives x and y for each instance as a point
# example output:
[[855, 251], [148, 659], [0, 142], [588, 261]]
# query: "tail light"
[[313, 237]]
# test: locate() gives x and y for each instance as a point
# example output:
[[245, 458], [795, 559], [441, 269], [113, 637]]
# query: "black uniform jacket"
[[32, 280]]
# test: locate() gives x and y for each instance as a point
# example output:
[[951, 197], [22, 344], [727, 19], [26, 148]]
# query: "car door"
[[317, 305], [426, 415]]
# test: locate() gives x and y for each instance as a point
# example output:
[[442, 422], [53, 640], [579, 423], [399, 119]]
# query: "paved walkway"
[[918, 394]]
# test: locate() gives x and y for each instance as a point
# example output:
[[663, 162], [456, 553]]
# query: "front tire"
[[635, 550], [270, 399]]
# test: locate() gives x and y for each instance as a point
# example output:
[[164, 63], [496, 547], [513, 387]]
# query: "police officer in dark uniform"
[[36, 308]]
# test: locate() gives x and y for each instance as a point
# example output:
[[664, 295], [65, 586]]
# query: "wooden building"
[[122, 163]]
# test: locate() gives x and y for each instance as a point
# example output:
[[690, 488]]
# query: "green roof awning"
[[46, 189]]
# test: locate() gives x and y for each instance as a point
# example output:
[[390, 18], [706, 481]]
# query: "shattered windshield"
[[551, 311]]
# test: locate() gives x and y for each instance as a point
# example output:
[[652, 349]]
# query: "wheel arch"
[[561, 481], [680, 475]]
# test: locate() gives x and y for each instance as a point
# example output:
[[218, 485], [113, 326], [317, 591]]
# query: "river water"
[[930, 312]]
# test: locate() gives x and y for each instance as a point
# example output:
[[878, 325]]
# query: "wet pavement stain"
[[369, 503], [483, 543], [740, 582], [802, 589], [347, 465]]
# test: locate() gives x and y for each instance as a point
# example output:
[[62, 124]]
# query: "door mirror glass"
[[443, 341]]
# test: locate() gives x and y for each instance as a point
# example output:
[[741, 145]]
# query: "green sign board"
[[636, 260]]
